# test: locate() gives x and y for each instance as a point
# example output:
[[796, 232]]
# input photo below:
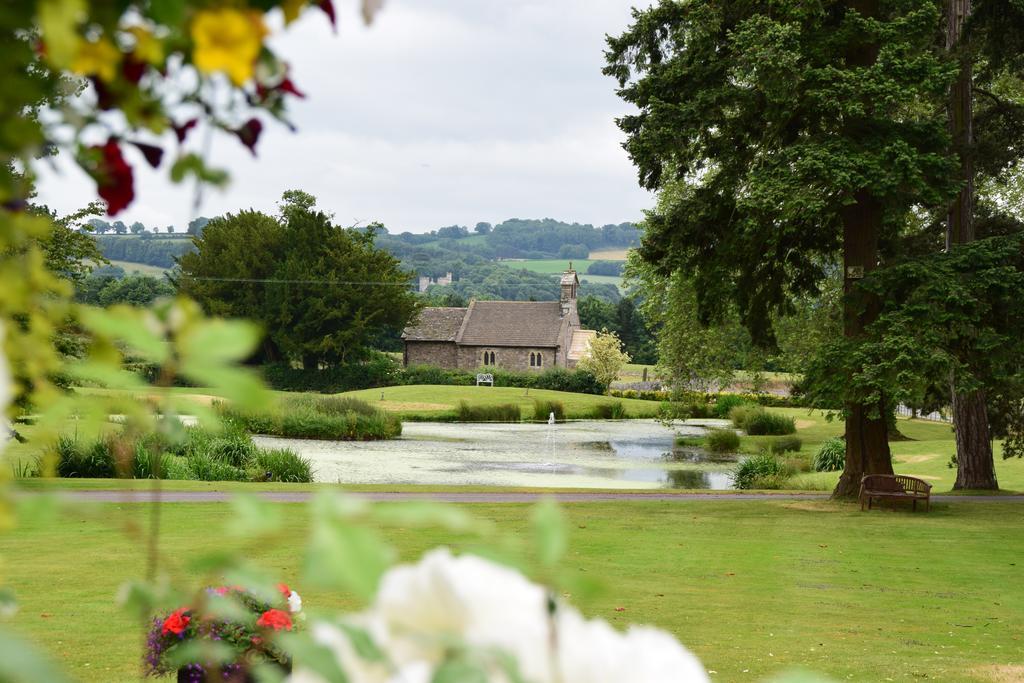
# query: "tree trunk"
[[975, 464], [867, 443]]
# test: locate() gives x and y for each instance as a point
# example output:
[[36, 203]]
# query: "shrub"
[[786, 444], [726, 402], [722, 441], [281, 464], [760, 471], [542, 410], [77, 459], [575, 381], [379, 370], [317, 417], [756, 421], [831, 457], [508, 412], [610, 411], [205, 468]]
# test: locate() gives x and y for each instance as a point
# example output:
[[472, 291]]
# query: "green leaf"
[[459, 671], [8, 602], [21, 662], [429, 513], [167, 12], [550, 532], [342, 555], [313, 656], [253, 516], [362, 643], [219, 341], [129, 326], [192, 164]]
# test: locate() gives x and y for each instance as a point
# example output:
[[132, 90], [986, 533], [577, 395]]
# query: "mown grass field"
[[424, 401], [558, 266], [752, 587]]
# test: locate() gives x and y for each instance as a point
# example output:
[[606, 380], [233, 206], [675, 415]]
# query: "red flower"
[[249, 134], [285, 590], [275, 619], [113, 177], [176, 622]]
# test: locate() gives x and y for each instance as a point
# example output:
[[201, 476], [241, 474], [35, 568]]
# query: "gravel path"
[[481, 497]]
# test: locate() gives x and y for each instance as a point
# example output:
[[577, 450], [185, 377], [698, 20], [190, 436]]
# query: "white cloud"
[[444, 111]]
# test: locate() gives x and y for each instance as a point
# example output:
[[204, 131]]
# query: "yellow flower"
[[97, 58], [227, 40], [148, 47]]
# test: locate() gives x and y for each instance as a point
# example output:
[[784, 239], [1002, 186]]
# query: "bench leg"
[[915, 505]]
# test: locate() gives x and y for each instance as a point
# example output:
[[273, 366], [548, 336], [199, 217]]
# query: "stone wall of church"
[[438, 354], [506, 357]]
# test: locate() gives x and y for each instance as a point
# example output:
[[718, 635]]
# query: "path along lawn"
[[753, 587]]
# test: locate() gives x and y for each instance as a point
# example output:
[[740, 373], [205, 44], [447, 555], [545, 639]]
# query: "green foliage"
[[310, 417], [762, 471], [543, 409], [756, 421], [624, 319], [507, 412], [613, 268], [162, 252], [722, 441], [726, 402], [377, 370], [323, 293], [604, 358], [78, 459], [555, 379], [281, 464], [831, 456], [610, 411], [100, 289]]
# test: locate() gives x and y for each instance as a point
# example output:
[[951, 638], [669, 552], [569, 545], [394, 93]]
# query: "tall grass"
[[317, 417], [756, 421], [506, 412], [763, 471], [609, 411], [543, 409], [722, 441], [227, 455]]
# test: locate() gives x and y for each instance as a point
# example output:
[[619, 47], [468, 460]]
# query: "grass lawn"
[[609, 255], [140, 268], [752, 587], [426, 400]]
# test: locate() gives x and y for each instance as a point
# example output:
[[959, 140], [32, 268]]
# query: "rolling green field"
[[558, 266], [754, 588], [140, 268]]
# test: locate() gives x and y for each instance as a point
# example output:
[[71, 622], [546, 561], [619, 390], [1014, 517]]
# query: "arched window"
[[539, 360], [533, 360], [486, 358], [492, 357]]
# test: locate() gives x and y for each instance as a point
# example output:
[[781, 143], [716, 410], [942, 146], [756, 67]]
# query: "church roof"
[[436, 324], [511, 323]]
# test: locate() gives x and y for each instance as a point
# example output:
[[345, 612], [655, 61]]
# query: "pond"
[[584, 454]]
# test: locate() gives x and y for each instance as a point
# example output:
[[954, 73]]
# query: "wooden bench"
[[894, 487]]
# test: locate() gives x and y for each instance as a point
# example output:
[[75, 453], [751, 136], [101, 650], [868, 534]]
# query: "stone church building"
[[512, 335]]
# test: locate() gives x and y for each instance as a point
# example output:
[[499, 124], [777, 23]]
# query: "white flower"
[[420, 608], [294, 602]]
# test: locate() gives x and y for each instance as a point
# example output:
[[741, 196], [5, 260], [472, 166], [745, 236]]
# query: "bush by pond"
[[726, 402], [229, 455], [506, 412], [756, 421], [609, 411], [764, 471], [722, 441], [831, 457], [332, 418], [543, 409]]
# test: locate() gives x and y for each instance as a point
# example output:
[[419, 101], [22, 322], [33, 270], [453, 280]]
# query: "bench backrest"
[[894, 483]]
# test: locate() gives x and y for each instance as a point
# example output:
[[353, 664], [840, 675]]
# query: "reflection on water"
[[586, 454]]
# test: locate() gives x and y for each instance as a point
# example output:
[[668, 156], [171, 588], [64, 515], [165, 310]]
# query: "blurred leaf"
[[313, 656], [192, 164], [201, 651], [41, 508], [264, 672], [238, 385], [459, 670], [130, 326], [217, 561], [428, 513], [798, 676], [342, 555], [362, 643], [21, 662], [219, 341], [167, 12], [8, 602], [253, 516], [550, 532], [139, 597]]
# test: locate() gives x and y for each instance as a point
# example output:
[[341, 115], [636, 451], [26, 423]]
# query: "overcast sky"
[[442, 112]]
